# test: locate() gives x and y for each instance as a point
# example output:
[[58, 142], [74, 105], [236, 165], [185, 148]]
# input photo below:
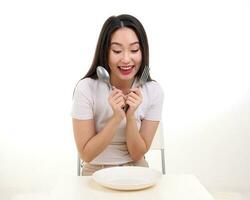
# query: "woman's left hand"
[[133, 99]]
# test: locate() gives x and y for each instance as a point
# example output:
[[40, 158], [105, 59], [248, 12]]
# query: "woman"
[[106, 134]]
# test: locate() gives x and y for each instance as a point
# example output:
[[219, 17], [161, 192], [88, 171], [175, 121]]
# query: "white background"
[[199, 53]]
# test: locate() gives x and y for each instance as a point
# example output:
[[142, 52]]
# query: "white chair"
[[157, 144]]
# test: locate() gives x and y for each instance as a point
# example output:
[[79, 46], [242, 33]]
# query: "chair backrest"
[[157, 144], [158, 141]]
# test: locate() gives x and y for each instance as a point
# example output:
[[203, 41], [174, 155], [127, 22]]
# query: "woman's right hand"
[[117, 103]]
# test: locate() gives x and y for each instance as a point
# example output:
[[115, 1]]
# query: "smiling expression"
[[124, 55]]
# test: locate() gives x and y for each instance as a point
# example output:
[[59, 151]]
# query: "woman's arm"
[[139, 141], [89, 143]]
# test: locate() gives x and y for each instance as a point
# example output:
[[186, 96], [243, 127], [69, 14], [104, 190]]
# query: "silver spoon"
[[103, 75]]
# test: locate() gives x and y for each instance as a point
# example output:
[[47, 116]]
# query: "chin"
[[126, 78]]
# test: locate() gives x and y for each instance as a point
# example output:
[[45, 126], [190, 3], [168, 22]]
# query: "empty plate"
[[127, 177]]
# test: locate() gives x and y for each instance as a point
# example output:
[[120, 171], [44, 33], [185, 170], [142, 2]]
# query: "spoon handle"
[[127, 106], [110, 86]]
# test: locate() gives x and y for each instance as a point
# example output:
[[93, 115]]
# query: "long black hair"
[[112, 24]]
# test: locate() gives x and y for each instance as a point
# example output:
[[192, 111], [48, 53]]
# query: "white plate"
[[127, 177]]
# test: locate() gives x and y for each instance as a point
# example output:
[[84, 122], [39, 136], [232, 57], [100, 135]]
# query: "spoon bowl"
[[103, 75]]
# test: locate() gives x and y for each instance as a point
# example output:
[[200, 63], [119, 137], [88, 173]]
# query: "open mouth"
[[126, 70]]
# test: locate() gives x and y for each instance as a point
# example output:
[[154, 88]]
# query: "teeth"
[[125, 67]]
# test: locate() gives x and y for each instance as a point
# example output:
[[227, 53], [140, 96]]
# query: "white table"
[[171, 187]]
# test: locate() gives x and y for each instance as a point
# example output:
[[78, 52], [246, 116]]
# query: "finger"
[[130, 99], [118, 95], [134, 95], [131, 104], [120, 99], [121, 104], [136, 91], [115, 91], [135, 98]]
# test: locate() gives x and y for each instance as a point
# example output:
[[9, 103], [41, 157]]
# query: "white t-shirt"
[[90, 101]]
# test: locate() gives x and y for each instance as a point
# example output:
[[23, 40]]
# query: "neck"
[[123, 85]]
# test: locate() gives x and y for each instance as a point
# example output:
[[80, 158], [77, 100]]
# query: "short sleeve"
[[82, 105], [156, 98]]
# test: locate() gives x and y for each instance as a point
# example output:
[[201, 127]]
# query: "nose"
[[126, 57]]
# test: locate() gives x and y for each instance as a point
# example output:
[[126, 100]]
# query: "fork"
[[143, 79], [144, 76]]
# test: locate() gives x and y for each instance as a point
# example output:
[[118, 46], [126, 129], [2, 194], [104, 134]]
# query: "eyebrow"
[[117, 43]]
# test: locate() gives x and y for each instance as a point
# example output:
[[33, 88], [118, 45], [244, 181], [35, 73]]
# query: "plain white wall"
[[199, 54]]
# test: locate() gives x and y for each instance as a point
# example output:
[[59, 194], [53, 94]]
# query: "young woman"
[[105, 134]]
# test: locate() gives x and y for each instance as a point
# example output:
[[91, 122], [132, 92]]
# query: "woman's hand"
[[133, 99], [117, 103]]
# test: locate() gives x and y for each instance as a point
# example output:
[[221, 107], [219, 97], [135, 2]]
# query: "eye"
[[135, 50], [116, 51]]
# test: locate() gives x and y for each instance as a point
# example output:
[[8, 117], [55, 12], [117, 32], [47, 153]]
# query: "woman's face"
[[124, 54]]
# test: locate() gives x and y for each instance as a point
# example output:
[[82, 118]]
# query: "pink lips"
[[126, 71]]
